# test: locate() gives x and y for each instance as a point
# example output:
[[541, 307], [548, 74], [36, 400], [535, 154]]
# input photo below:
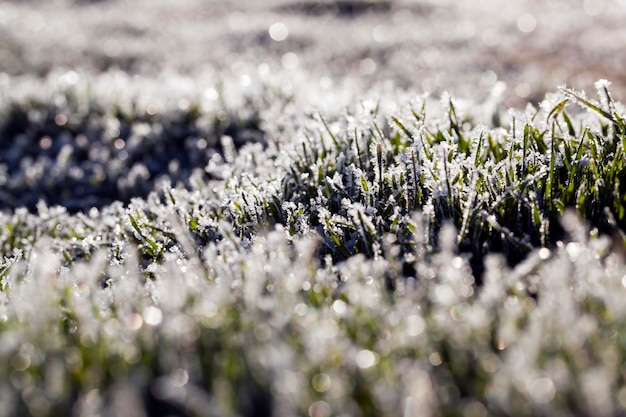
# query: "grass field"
[[256, 237]]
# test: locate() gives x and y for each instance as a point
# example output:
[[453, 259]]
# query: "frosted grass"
[[400, 256], [234, 329]]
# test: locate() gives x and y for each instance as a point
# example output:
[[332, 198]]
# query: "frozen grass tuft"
[[399, 257]]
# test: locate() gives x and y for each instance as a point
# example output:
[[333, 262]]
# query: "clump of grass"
[[361, 177], [356, 264]]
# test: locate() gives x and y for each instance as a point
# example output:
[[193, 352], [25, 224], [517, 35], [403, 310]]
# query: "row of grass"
[[372, 262]]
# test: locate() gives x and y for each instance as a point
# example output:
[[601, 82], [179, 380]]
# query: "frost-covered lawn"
[[262, 236], [396, 257], [461, 46]]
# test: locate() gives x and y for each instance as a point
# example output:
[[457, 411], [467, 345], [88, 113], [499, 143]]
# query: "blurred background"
[[523, 47]]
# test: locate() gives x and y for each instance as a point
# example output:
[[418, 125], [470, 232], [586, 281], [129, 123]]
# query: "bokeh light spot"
[[321, 382], [152, 316], [380, 34], [278, 32], [60, 119], [415, 325], [179, 377], [367, 66], [340, 307], [319, 409], [522, 90], [542, 390], [526, 23], [290, 61], [119, 143], [435, 359], [366, 359], [135, 322], [490, 37], [45, 142]]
